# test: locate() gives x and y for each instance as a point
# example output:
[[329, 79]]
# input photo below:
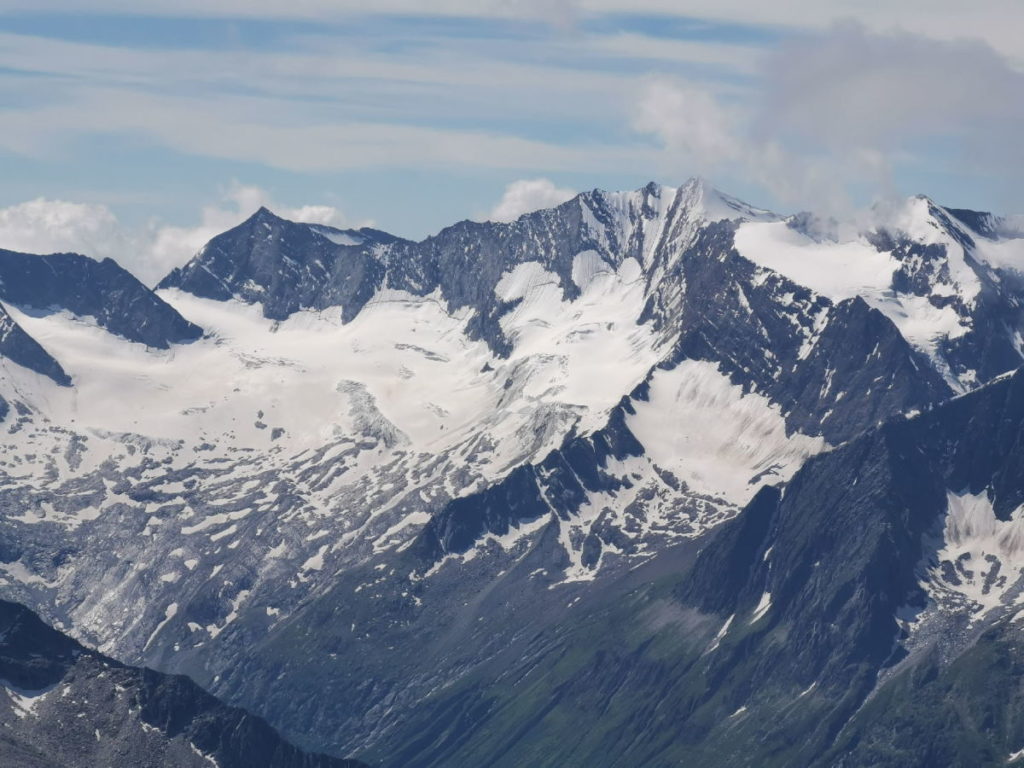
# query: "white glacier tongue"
[[972, 575], [980, 565]]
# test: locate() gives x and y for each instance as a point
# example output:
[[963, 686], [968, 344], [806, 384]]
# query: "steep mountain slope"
[[375, 440], [397, 412], [952, 291], [101, 290], [99, 295], [21, 349], [285, 267], [62, 706], [868, 615]]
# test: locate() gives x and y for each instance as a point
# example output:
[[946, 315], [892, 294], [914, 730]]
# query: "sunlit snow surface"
[[852, 266], [316, 443], [843, 270], [973, 574], [403, 370], [980, 564], [721, 442], [838, 270]]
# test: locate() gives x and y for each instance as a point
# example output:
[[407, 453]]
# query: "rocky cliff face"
[[849, 620], [62, 705], [101, 290], [21, 349], [285, 267]]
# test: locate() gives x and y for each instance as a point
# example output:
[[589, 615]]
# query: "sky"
[[138, 130]]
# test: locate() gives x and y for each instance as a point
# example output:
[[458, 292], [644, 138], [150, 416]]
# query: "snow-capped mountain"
[[317, 454], [948, 279]]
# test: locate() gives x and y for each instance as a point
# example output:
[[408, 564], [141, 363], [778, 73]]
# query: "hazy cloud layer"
[[842, 111], [851, 88], [312, 108]]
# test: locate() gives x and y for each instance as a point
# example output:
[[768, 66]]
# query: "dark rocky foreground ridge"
[[63, 706], [685, 662]]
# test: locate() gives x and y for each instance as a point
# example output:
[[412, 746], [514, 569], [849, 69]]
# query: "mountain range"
[[649, 478]]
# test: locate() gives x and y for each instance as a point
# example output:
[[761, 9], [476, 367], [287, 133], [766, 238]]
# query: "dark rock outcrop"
[[99, 289], [63, 706], [17, 346]]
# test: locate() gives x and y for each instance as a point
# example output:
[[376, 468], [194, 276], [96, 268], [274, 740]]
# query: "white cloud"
[[701, 134], [527, 195], [841, 111], [690, 122], [57, 226], [149, 252]]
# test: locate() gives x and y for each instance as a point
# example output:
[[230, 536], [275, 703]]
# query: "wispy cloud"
[[997, 22], [515, 99], [240, 130], [321, 108], [555, 11], [772, 96], [994, 22], [730, 57]]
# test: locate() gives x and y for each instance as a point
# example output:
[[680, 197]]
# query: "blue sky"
[[170, 117]]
